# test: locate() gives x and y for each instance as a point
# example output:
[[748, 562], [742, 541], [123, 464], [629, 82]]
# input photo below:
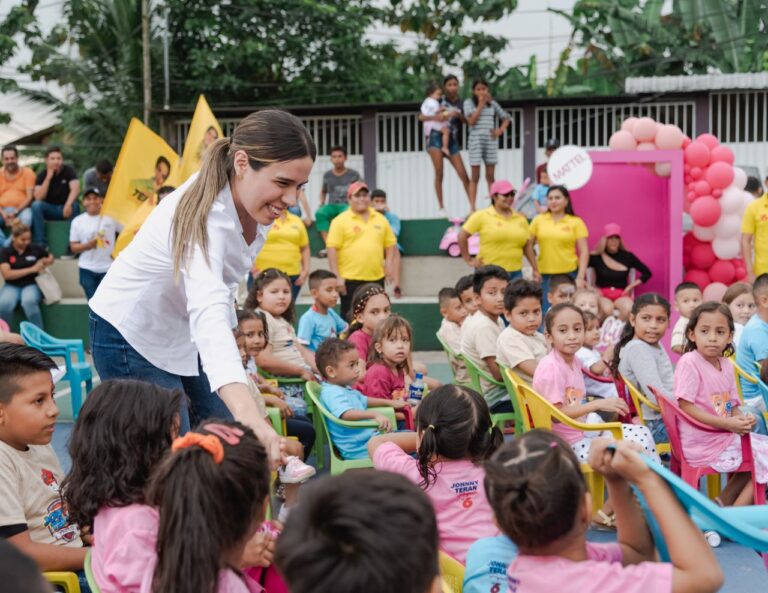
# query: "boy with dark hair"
[[466, 292], [99, 176], [336, 182], [520, 345], [480, 332], [348, 535], [454, 313], [688, 296], [339, 363], [753, 344], [379, 203], [32, 513], [320, 321], [561, 289]]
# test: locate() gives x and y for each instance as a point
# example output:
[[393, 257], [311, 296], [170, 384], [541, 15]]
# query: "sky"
[[531, 29]]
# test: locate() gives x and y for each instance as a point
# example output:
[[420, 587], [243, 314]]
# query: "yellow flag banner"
[[203, 131], [145, 164]]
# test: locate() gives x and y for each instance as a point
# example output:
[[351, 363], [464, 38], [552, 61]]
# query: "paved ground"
[[744, 570]]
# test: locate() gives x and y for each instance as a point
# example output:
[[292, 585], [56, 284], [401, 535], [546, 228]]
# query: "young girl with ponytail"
[[454, 436]]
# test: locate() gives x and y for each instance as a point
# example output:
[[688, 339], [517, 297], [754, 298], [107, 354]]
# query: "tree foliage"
[[19, 23]]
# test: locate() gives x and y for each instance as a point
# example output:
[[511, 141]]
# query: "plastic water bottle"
[[713, 538], [416, 389]]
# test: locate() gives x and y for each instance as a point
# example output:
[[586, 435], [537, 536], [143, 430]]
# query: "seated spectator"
[[335, 188], [20, 263], [379, 203], [320, 321], [99, 176], [454, 313], [56, 191], [520, 345], [16, 186], [466, 291], [561, 289], [753, 345], [595, 362], [33, 516], [93, 237]]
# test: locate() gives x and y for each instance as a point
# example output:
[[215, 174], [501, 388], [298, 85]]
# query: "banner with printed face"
[[203, 131]]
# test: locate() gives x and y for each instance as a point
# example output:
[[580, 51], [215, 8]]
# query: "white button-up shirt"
[[168, 321]]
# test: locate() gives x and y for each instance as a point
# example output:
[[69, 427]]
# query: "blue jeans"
[[90, 281], [515, 275], [25, 217], [115, 358], [30, 302], [42, 211]]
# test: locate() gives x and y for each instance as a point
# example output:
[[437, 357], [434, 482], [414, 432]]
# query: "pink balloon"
[[696, 172], [716, 193], [644, 129], [646, 146], [697, 154], [722, 271], [687, 179], [705, 211], [622, 140], [686, 141], [741, 273], [669, 137], [689, 242], [714, 292], [702, 188], [708, 139], [686, 260], [692, 196], [628, 124], [719, 175], [702, 256], [686, 168], [698, 277], [722, 154]]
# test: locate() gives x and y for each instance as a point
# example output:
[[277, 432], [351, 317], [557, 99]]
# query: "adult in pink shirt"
[[454, 436]]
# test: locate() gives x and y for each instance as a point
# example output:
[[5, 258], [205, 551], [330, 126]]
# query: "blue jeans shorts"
[[435, 140]]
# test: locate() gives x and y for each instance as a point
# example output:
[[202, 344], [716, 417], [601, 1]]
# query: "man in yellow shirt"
[[359, 239], [754, 235]]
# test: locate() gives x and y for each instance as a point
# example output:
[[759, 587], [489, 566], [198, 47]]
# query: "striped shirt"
[[487, 120]]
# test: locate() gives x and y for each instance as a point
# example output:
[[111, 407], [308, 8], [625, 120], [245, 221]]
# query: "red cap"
[[612, 229], [501, 186], [356, 187]]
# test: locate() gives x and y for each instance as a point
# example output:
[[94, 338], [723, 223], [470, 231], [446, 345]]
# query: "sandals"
[[397, 292], [606, 522]]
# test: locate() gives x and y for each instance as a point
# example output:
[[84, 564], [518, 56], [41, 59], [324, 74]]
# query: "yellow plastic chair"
[[68, 581], [741, 373], [88, 569], [511, 381], [451, 354], [338, 464], [452, 573], [639, 398], [543, 415]]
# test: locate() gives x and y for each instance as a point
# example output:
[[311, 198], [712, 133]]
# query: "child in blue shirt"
[[339, 363], [379, 203], [487, 562], [321, 321], [753, 344]]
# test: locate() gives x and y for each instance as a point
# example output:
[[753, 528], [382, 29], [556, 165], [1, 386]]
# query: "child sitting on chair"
[[520, 345], [321, 321], [594, 362], [341, 367], [454, 313]]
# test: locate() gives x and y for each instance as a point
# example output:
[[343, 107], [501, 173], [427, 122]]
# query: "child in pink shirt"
[[541, 502], [370, 305], [454, 436], [705, 389]]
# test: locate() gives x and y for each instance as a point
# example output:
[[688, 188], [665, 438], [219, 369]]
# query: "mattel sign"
[[569, 166]]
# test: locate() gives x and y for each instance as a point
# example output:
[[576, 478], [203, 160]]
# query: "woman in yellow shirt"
[[286, 249], [504, 234], [562, 238]]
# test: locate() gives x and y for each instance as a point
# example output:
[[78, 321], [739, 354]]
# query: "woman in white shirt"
[[166, 309]]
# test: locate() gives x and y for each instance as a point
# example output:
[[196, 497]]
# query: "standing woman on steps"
[[166, 309]]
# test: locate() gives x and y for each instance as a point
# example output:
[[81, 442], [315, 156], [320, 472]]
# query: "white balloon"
[[663, 169], [739, 178], [732, 200], [726, 248], [704, 233], [748, 198], [728, 226]]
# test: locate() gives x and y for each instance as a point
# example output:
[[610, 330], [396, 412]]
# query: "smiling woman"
[[165, 311]]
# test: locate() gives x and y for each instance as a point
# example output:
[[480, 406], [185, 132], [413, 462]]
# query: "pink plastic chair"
[[671, 414], [4, 326]]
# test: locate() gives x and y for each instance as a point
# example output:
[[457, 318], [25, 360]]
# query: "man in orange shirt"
[[16, 186]]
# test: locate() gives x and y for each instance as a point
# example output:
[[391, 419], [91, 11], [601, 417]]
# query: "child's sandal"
[[606, 522]]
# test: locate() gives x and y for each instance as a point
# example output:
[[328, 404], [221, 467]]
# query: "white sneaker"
[[295, 471], [441, 213]]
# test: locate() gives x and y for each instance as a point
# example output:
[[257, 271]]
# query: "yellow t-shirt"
[[557, 242], [502, 238], [755, 223], [360, 244], [282, 250]]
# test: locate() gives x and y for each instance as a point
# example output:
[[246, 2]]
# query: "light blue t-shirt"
[[394, 222], [314, 327], [753, 346], [540, 193], [352, 443], [487, 562]]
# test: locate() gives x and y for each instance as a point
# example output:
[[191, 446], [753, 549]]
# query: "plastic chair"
[[740, 373], [543, 415], [79, 371], [339, 465], [639, 399], [68, 581], [511, 381], [88, 569], [672, 415], [743, 525], [451, 354], [452, 572], [277, 421], [475, 373]]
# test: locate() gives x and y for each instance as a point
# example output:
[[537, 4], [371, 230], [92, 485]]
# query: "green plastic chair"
[[511, 380], [277, 420], [339, 465], [475, 373], [452, 354], [88, 569]]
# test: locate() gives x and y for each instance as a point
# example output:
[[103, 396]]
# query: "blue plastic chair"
[[743, 525], [79, 371]]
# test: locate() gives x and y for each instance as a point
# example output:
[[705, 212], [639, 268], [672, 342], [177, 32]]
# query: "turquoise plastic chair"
[[339, 465], [743, 525], [79, 371]]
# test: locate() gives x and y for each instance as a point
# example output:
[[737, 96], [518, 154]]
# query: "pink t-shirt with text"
[[699, 382], [380, 381], [560, 383], [602, 572], [363, 343], [458, 495]]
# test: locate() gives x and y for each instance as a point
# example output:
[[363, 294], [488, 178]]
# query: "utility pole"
[[145, 55]]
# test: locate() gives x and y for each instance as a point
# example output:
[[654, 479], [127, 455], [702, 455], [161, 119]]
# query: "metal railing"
[[740, 116]]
